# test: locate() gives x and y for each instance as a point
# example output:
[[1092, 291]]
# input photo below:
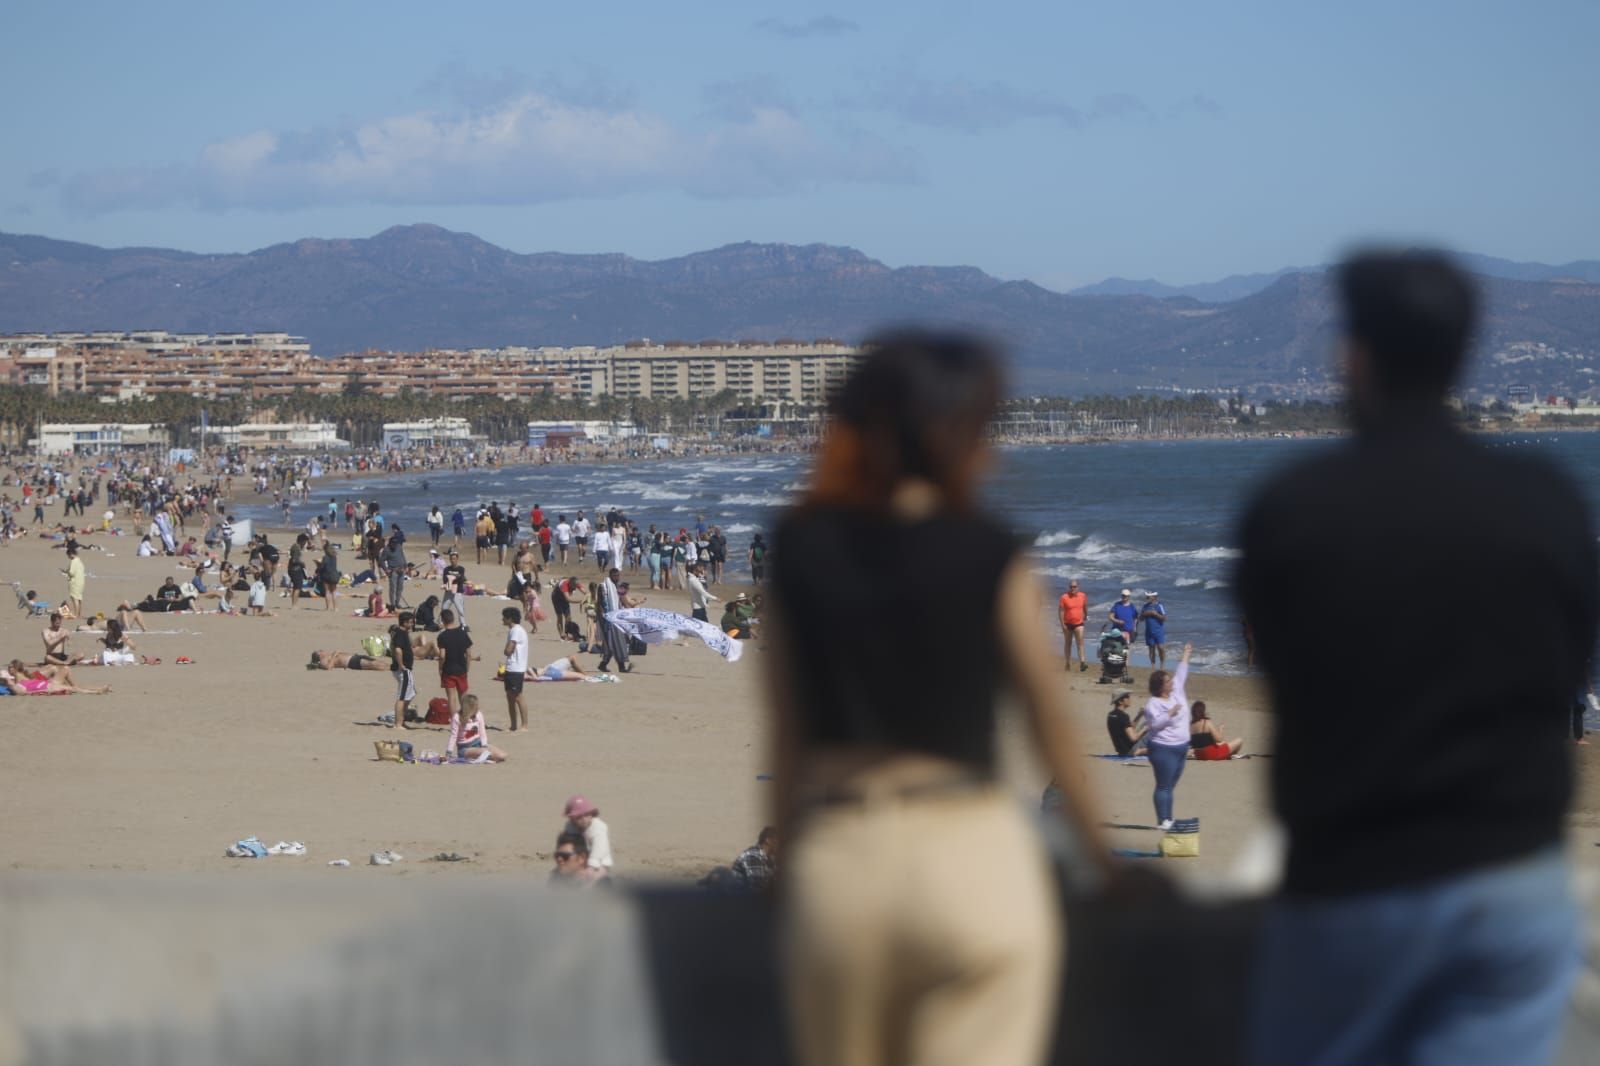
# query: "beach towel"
[[657, 627]]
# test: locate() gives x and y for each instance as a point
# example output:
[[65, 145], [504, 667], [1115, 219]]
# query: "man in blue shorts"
[[1154, 617]]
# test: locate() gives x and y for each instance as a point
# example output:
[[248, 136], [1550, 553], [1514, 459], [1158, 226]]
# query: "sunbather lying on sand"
[[46, 680], [344, 660]]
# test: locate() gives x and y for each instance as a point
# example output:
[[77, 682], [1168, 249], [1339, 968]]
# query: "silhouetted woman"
[[921, 918]]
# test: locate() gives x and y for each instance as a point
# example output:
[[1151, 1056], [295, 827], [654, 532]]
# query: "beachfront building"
[[428, 433], [565, 434], [97, 438], [276, 436]]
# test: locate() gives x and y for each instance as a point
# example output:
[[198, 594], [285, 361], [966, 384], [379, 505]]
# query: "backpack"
[[438, 711]]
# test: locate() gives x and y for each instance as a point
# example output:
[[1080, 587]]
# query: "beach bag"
[[1180, 846], [376, 646], [438, 711]]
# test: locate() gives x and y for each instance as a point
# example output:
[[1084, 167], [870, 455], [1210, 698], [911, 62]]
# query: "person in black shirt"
[[1424, 914], [920, 913], [455, 649], [455, 586], [1124, 738], [401, 660]]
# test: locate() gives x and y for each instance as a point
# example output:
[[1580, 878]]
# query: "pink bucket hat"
[[577, 807]]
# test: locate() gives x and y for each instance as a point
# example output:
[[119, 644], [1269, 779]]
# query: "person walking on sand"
[[1424, 914], [1154, 617], [516, 668], [1074, 612], [436, 524], [1124, 615], [1166, 713], [75, 581], [328, 574], [920, 911]]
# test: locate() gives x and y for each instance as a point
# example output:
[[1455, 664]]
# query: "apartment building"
[[798, 373], [52, 369]]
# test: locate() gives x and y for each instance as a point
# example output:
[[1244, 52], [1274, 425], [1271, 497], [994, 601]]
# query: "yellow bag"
[[388, 750], [1180, 846]]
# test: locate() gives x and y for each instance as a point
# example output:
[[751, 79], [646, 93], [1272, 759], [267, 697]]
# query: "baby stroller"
[[1114, 657]]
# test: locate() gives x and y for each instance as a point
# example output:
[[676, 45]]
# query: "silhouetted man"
[[1424, 916]]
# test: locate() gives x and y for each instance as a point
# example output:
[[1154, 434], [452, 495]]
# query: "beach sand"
[[180, 761]]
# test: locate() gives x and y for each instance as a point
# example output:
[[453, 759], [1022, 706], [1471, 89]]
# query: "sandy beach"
[[179, 761]]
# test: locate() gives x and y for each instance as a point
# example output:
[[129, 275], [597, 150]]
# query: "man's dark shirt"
[[1413, 744], [454, 645]]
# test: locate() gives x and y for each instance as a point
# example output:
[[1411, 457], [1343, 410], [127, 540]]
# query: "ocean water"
[[1148, 515]]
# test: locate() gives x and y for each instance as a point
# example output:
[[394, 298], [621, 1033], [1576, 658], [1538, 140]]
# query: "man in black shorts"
[[516, 668], [401, 660]]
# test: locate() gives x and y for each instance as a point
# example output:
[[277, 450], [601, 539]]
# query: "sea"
[[1146, 515]]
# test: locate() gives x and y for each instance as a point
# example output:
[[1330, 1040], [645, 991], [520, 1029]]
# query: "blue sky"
[[1062, 142]]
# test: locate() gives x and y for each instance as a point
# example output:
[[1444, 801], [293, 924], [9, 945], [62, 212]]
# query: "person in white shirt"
[[516, 668], [563, 536], [580, 535], [699, 595], [1167, 712], [584, 817]]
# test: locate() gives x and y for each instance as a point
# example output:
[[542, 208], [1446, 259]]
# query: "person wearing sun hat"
[[584, 817], [1154, 617], [1124, 615]]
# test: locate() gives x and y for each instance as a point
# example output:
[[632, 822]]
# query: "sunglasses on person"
[[563, 856]]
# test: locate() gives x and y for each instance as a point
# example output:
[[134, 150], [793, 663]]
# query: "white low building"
[[95, 438], [283, 436], [428, 433], [558, 434]]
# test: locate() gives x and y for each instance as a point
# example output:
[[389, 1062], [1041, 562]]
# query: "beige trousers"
[[924, 930]]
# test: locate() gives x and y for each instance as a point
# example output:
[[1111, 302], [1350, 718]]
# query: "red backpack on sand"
[[438, 711]]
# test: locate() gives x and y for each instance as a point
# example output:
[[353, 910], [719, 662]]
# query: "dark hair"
[[447, 616], [580, 845], [403, 617], [1198, 711], [1158, 679], [768, 832], [512, 615], [1413, 312], [916, 406]]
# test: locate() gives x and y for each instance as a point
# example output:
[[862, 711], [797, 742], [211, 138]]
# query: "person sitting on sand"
[[572, 863], [48, 680], [1125, 739], [584, 817], [731, 624], [55, 641], [376, 608], [341, 660], [145, 550], [1205, 736], [118, 650], [469, 736]]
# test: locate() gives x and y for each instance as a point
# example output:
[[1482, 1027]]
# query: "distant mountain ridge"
[[1238, 286], [421, 286]]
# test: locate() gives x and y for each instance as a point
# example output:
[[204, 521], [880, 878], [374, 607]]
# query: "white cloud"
[[530, 148]]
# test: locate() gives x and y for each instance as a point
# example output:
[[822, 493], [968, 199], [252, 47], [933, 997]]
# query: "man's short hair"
[[447, 616], [580, 845], [404, 617], [512, 615], [1413, 312], [768, 832]]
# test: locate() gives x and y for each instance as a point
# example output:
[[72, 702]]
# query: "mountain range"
[[420, 286]]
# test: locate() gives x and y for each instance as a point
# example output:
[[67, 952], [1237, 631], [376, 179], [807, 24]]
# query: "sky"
[[1061, 142]]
